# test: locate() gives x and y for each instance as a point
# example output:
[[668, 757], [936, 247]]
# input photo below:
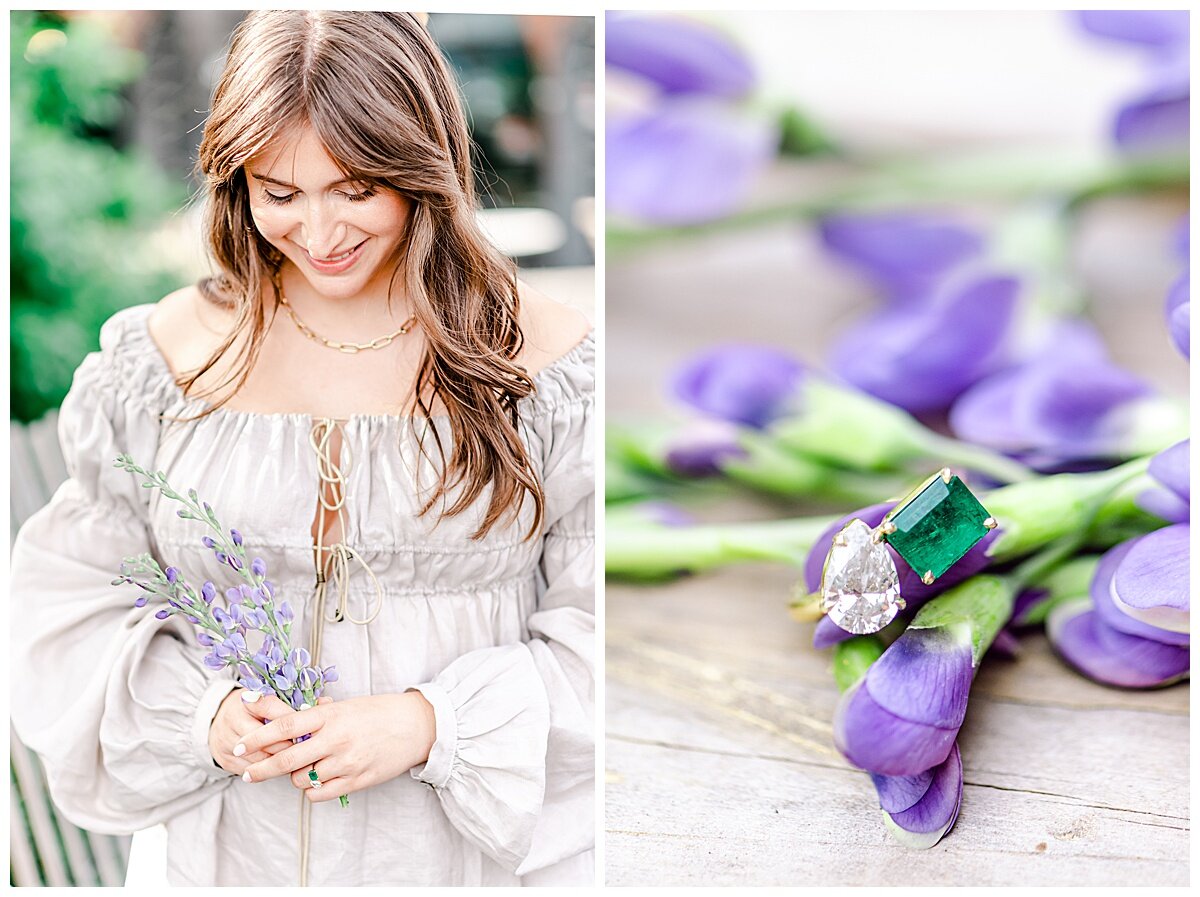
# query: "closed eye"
[[277, 199]]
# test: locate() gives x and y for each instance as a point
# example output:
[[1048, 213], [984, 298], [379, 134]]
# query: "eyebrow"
[[263, 177]]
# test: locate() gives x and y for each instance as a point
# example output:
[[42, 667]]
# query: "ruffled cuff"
[[210, 702], [488, 763], [436, 770]]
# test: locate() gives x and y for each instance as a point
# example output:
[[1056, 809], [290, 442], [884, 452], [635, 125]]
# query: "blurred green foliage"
[[81, 207]]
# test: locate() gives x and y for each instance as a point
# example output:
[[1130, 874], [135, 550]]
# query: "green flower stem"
[[1041, 511], [982, 605], [853, 657], [988, 176], [847, 428], [1068, 581], [640, 549]]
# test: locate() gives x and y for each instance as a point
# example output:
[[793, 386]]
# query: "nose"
[[321, 230]]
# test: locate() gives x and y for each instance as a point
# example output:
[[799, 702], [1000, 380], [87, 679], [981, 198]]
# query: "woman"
[[403, 434]]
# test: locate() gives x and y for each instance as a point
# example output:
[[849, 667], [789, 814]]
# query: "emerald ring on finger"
[[313, 779]]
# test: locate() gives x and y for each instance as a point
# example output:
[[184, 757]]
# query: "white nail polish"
[[250, 697], [238, 750], [246, 776]]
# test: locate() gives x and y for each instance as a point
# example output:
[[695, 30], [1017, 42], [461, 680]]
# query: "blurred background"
[[771, 179], [107, 110]]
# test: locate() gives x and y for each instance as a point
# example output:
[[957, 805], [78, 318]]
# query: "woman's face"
[[342, 235]]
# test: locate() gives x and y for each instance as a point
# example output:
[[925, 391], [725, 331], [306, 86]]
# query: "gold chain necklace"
[[348, 348]]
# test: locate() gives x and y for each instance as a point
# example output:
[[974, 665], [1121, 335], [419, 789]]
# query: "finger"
[[298, 756], [324, 699], [331, 790], [264, 707], [288, 727]]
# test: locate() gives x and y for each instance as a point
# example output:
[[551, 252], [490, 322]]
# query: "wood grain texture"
[[721, 767]]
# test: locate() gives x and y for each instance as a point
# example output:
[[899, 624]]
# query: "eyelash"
[[275, 199]]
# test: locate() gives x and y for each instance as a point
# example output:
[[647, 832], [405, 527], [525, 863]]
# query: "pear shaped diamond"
[[860, 589]]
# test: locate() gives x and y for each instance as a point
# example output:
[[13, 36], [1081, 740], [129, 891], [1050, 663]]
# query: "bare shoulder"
[[188, 328], [551, 329]]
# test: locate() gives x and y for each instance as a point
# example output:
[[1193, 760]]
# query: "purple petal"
[[700, 447], [1171, 468], [744, 384], [1159, 118], [903, 355], [1053, 410], [898, 793], [1179, 314], [679, 55], [906, 251], [1156, 28], [688, 161], [925, 676], [1151, 580], [876, 740], [1110, 657], [935, 813], [1112, 616]]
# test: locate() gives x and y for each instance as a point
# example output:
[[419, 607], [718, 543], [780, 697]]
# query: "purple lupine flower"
[[234, 561], [904, 252], [743, 384], [699, 447], [205, 639], [691, 160], [1171, 498], [688, 153], [903, 716], [162, 614], [228, 623], [922, 808], [827, 633], [208, 592], [141, 601], [1112, 657], [222, 557], [258, 567], [297, 703], [269, 588], [329, 674], [1150, 583], [1071, 404], [679, 55], [172, 574], [1150, 28], [213, 662], [300, 657], [1158, 115], [1105, 606], [284, 612], [255, 618], [921, 357], [233, 595], [208, 542], [235, 536]]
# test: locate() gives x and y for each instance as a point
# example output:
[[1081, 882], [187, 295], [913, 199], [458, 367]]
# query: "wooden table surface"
[[720, 764]]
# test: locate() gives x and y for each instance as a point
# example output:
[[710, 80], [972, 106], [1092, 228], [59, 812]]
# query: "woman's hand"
[[233, 721], [355, 743]]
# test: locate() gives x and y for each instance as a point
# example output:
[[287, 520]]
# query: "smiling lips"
[[338, 263]]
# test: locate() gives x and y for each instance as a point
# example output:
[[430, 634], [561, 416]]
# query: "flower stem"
[[645, 550]]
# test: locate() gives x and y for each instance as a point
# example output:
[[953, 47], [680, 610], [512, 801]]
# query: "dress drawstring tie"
[[333, 565]]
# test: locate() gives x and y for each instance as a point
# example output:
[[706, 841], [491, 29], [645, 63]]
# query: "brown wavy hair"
[[379, 96]]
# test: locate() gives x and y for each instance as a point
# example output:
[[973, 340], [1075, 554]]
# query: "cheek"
[[274, 223], [388, 218]]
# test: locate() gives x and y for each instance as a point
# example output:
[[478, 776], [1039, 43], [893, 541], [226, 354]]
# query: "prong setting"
[[990, 523], [927, 578]]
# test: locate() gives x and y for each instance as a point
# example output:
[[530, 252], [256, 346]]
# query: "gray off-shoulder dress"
[[498, 634]]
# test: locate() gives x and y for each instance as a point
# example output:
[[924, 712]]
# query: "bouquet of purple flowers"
[[249, 632]]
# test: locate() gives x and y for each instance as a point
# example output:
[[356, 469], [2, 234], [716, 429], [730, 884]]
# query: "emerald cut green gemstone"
[[937, 526]]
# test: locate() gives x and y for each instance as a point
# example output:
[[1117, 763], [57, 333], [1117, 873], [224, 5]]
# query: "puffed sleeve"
[[514, 760], [115, 702]]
